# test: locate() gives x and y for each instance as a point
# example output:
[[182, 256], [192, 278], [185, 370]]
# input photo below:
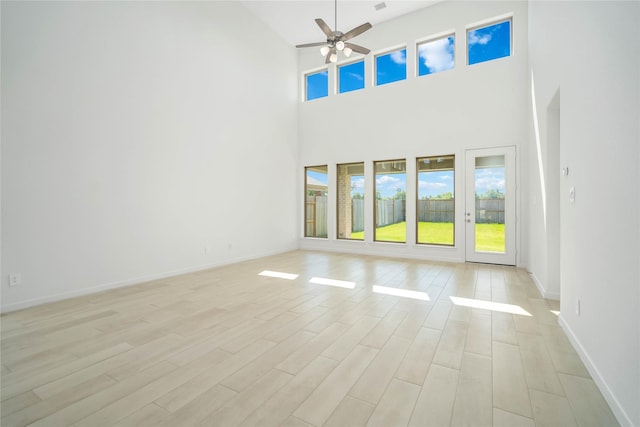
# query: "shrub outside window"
[[436, 55], [436, 203], [489, 42], [315, 207], [391, 67]]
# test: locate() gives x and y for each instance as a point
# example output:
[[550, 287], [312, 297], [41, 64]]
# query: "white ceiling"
[[294, 19]]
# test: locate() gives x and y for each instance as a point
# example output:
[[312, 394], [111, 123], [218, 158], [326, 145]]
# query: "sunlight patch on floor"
[[490, 305], [332, 282], [279, 275], [401, 293], [556, 312]]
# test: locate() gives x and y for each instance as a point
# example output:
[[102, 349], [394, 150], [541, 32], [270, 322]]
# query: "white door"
[[490, 208]]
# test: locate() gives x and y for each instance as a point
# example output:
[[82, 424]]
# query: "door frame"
[[509, 257]]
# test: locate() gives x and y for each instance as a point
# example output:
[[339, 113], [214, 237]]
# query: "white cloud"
[[356, 76], [437, 55], [475, 38], [489, 178], [399, 57], [430, 185], [357, 184], [387, 180]]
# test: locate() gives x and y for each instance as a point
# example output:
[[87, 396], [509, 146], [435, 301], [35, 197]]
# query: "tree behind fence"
[[488, 211]]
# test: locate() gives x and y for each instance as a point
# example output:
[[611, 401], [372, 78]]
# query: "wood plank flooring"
[[231, 346]]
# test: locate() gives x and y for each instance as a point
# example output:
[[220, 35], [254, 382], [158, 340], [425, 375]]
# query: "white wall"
[[589, 53], [445, 113], [139, 140]]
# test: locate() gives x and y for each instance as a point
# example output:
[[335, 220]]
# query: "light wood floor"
[[231, 347]]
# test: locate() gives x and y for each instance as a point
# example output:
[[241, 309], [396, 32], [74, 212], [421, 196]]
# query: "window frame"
[[305, 83], [385, 52], [375, 203], [485, 24], [430, 39], [346, 64], [364, 194], [306, 176], [418, 160]]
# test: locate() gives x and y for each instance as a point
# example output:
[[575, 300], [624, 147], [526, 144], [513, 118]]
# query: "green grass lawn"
[[489, 237]]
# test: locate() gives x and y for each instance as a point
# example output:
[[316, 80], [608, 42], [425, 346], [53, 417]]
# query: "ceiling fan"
[[337, 40]]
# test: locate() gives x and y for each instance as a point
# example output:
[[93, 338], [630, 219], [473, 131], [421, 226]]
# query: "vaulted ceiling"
[[293, 20]]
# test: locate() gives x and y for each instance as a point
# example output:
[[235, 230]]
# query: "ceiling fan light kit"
[[337, 41]]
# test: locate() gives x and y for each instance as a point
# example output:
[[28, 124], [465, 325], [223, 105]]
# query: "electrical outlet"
[[15, 279], [572, 195]]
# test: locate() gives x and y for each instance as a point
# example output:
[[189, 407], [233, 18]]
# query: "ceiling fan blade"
[[312, 44], [357, 48], [325, 28], [356, 31]]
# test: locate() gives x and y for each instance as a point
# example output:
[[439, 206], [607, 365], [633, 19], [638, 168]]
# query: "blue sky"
[[430, 183], [391, 67], [489, 43], [357, 185], [437, 55], [489, 178], [388, 184], [434, 183], [317, 85], [483, 44], [351, 77], [321, 177]]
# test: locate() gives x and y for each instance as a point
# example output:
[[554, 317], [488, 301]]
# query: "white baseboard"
[[383, 249], [545, 294], [133, 281], [617, 409]]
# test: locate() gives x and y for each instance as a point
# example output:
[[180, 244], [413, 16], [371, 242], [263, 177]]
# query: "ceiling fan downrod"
[[337, 40]]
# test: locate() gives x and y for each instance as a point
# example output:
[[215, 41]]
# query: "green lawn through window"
[[489, 237]]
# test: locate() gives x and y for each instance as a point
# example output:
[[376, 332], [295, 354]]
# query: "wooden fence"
[[316, 216], [357, 215], [435, 210], [488, 211], [390, 212]]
